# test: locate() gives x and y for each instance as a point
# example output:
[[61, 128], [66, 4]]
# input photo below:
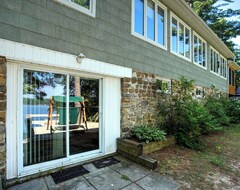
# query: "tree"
[[217, 19]]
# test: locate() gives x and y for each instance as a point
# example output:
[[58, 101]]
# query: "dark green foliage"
[[188, 130], [233, 111], [217, 108], [186, 118], [218, 19], [148, 134], [181, 115]]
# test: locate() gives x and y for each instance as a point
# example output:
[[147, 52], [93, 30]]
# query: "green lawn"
[[217, 166]]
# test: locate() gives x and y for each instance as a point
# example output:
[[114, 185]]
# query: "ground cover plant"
[[147, 134]]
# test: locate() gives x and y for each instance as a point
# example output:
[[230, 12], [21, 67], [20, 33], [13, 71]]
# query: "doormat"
[[68, 173], [105, 162]]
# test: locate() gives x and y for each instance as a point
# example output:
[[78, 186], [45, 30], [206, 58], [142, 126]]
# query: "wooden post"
[[84, 113]]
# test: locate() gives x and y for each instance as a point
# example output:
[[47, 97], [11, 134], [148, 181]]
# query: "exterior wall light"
[[80, 57]]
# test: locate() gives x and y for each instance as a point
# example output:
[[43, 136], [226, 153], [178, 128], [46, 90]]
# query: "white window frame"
[[91, 11], [144, 36], [219, 59], [190, 35], [206, 57]]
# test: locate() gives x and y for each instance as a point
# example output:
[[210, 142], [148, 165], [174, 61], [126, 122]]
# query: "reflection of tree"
[[35, 81], [84, 3], [90, 91], [87, 88]]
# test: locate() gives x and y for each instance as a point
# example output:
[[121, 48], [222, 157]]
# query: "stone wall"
[[139, 101], [2, 115]]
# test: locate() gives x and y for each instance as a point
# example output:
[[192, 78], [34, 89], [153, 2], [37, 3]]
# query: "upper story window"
[[218, 63], [199, 51], [150, 21], [180, 38], [86, 6]]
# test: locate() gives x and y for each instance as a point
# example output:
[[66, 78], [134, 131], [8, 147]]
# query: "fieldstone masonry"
[[139, 101], [2, 115]]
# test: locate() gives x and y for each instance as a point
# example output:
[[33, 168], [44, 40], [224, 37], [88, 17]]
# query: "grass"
[[217, 165], [125, 177]]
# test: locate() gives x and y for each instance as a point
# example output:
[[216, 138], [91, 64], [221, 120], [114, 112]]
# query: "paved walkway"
[[124, 175]]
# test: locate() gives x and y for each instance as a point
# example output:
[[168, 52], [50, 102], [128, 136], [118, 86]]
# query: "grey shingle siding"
[[48, 24]]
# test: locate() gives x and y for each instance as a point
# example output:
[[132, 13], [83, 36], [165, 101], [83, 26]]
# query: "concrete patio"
[[125, 175]]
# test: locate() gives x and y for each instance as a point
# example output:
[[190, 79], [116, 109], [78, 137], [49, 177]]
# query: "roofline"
[[233, 65], [197, 23]]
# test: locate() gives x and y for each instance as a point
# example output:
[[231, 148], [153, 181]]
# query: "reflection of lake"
[[33, 109]]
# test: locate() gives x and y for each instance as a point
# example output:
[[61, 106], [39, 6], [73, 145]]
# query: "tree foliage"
[[218, 19]]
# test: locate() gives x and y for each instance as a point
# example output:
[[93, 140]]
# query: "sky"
[[235, 5]]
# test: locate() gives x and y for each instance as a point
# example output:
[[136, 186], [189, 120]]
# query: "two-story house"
[[76, 75]]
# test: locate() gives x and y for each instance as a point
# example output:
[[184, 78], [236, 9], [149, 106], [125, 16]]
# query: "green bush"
[[233, 111], [185, 118], [148, 134], [217, 108], [188, 130]]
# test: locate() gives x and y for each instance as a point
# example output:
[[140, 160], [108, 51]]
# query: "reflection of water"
[[33, 109]]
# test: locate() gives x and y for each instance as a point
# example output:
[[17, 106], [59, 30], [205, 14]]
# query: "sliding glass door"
[[60, 116], [84, 116]]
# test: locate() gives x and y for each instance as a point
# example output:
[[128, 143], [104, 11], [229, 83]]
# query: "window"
[[58, 109], [199, 50], [149, 21], [218, 63], [180, 38], [231, 76], [86, 6], [199, 92], [163, 85]]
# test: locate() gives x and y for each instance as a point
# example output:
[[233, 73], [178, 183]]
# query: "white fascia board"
[[28, 53]]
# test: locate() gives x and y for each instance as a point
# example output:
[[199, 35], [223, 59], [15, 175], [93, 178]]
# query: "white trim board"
[[24, 52]]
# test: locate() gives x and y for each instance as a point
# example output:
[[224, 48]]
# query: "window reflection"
[[83, 114], [83, 3], [39, 143], [187, 43], [150, 20], [200, 51], [174, 35], [195, 49], [161, 26], [138, 17], [181, 39]]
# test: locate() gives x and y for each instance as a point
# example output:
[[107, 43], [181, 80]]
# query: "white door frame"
[[22, 171]]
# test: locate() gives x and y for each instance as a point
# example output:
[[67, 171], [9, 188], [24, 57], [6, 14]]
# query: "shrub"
[[188, 130], [217, 108], [148, 134], [185, 118], [233, 111]]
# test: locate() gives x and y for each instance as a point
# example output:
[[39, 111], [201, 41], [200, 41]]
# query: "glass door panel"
[[44, 136], [83, 114]]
